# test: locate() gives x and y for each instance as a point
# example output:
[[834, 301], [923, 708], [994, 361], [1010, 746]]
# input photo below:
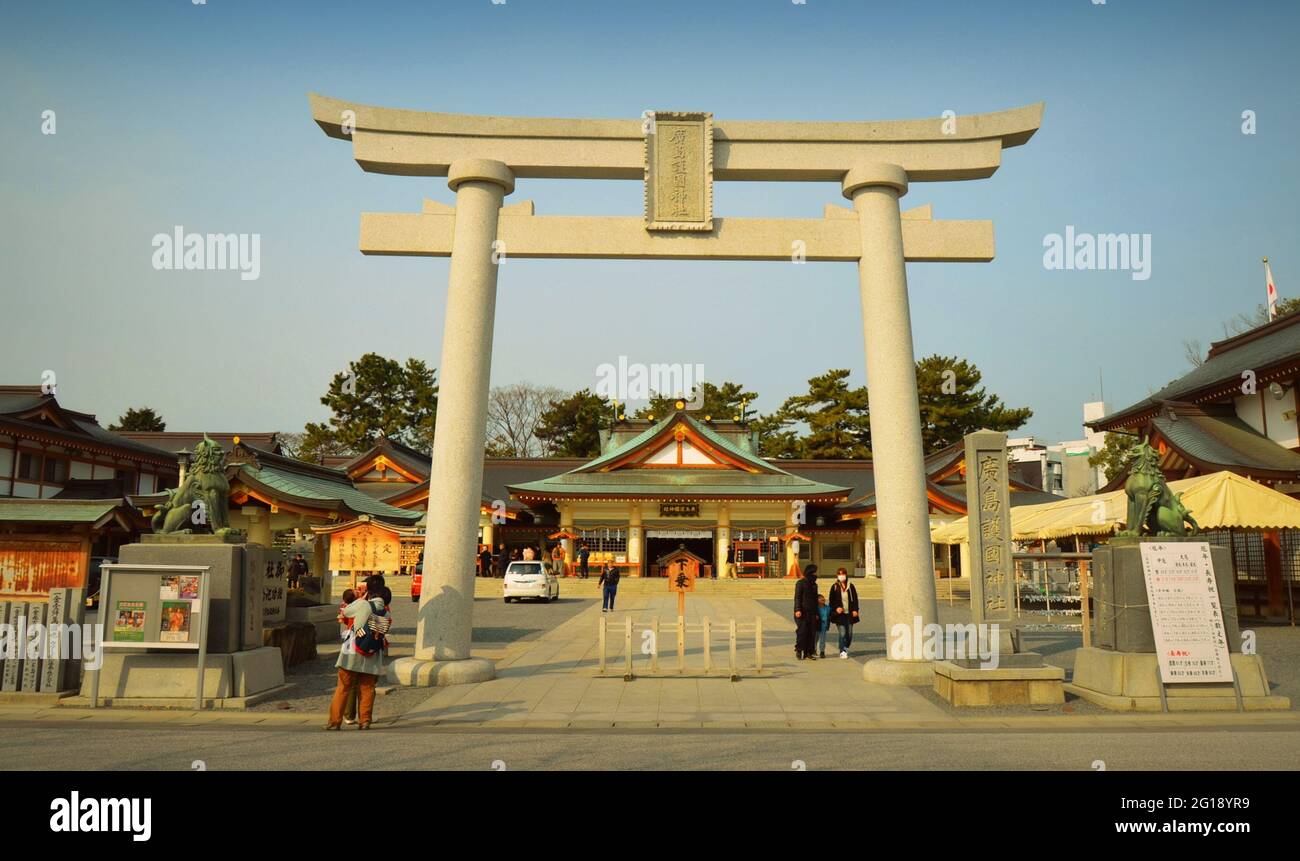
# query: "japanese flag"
[[1272, 290]]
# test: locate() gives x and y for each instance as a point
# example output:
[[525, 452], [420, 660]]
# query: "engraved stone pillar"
[[442, 640], [988, 524], [903, 511]]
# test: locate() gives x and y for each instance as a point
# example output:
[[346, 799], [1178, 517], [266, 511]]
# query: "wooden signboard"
[[681, 575], [29, 569], [366, 547]]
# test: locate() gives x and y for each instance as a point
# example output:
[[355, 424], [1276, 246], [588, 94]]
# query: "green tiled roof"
[[312, 486], [768, 480], [55, 510], [1226, 441]]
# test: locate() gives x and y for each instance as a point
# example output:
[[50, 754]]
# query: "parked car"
[[531, 579], [417, 579]]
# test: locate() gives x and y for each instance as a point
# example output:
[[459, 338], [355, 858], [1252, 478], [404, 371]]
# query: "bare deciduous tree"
[[514, 414]]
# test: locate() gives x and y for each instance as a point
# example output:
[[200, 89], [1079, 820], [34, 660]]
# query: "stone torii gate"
[[678, 155]]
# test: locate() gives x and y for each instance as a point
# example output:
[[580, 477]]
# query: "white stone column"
[[791, 545], [566, 525], [442, 640], [723, 538], [634, 538], [259, 525], [903, 511]]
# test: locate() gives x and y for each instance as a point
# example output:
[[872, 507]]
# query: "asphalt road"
[[235, 748]]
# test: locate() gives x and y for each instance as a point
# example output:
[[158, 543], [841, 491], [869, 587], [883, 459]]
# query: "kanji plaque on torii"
[[679, 171]]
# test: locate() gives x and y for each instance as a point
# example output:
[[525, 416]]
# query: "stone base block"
[[295, 640], [323, 616], [417, 673], [173, 676], [256, 670], [1130, 681], [1004, 686], [884, 671], [181, 703]]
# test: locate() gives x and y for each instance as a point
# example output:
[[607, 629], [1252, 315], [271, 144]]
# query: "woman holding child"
[[361, 661]]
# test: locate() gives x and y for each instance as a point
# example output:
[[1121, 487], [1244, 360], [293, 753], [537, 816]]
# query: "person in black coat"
[[806, 618], [845, 610]]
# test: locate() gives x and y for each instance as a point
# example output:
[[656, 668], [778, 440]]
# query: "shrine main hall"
[[683, 480]]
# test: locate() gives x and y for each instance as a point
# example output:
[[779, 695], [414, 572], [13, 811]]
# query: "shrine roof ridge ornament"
[[422, 143]]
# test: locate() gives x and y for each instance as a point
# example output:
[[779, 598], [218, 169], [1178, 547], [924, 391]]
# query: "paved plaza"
[[548, 679]]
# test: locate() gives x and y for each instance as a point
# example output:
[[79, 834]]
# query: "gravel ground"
[[495, 623], [1279, 644]]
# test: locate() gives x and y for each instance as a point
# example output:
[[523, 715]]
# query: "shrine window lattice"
[[1248, 553], [604, 540]]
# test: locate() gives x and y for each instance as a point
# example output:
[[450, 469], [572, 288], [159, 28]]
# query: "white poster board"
[[155, 607], [1186, 615]]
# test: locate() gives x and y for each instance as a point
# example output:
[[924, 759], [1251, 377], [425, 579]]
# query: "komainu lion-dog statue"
[[1153, 509], [202, 499]]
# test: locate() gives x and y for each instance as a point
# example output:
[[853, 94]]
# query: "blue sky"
[[174, 113]]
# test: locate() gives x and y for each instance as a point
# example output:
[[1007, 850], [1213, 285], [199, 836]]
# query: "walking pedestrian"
[[583, 554], [845, 610], [805, 614], [609, 587], [557, 559], [485, 561], [297, 569]]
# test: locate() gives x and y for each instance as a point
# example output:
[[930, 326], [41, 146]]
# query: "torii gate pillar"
[[445, 627], [897, 455]]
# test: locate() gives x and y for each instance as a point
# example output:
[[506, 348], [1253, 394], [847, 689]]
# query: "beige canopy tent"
[[1221, 500]]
